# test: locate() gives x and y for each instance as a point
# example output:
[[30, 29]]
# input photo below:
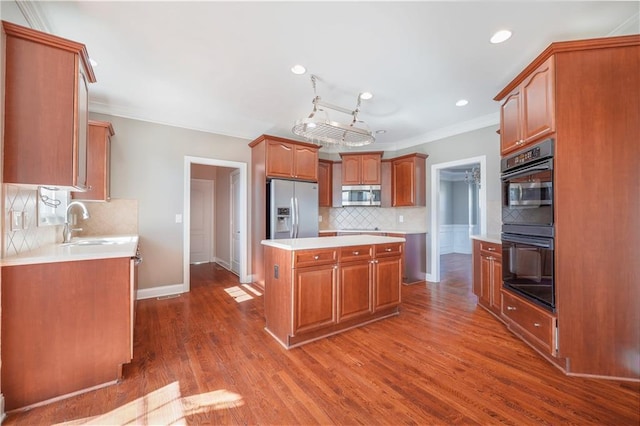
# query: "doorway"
[[202, 219], [239, 223], [474, 209]]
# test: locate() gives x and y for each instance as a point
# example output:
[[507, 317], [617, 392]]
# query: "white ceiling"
[[223, 67]]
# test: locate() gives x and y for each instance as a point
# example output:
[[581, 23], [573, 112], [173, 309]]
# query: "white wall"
[[147, 163]]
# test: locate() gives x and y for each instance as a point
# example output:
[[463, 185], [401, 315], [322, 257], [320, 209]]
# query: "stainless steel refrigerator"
[[292, 209]]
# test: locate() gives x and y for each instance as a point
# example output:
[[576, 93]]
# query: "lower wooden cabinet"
[[536, 325], [487, 275], [314, 293], [66, 328]]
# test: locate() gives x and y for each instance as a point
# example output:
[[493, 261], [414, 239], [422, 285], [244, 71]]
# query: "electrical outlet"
[[178, 218], [16, 220], [319, 218], [400, 218]]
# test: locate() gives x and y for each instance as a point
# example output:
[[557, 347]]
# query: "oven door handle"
[[545, 165], [531, 241]]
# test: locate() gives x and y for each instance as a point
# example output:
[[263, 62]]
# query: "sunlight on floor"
[[238, 294], [164, 406]]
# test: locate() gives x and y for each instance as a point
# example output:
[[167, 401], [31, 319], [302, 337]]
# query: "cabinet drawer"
[[388, 249], [303, 258], [491, 249], [351, 253], [534, 321]]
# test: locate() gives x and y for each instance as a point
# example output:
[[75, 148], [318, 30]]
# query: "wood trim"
[[342, 154], [412, 155], [104, 124], [53, 41], [568, 46], [263, 138]]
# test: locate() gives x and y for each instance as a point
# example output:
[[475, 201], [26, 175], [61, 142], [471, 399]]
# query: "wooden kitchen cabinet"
[[98, 163], [325, 183], [361, 169], [388, 268], [590, 108], [314, 298], [314, 293], [68, 325], [487, 275], [289, 159], [408, 180], [355, 296], [46, 109], [528, 112]]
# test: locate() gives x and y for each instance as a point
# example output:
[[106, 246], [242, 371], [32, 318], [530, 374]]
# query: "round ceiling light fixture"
[[366, 95], [298, 69], [500, 36], [462, 102]]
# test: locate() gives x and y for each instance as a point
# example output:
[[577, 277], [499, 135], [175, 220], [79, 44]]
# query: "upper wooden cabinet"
[[361, 169], [46, 109], [408, 180], [325, 183], [528, 111], [289, 159], [98, 163]]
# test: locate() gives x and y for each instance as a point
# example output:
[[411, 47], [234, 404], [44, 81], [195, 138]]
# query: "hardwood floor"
[[441, 361]]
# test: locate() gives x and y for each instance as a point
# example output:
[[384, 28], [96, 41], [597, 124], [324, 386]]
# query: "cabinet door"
[[370, 169], [354, 294], [387, 282], [403, 183], [98, 163], [351, 166], [325, 194], [485, 281], [510, 118], [305, 163], [279, 159], [314, 298], [496, 285], [538, 103]]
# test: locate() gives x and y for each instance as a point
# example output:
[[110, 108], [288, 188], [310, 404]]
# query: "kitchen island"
[[317, 287]]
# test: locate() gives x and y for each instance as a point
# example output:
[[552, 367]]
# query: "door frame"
[[244, 243], [434, 275]]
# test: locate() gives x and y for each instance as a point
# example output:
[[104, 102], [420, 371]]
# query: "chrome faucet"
[[67, 231]]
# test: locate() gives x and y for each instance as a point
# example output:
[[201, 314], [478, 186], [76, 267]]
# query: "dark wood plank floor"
[[441, 361]]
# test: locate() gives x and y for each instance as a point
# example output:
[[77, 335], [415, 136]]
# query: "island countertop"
[[328, 242], [116, 246]]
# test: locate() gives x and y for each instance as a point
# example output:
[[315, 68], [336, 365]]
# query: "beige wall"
[[147, 164]]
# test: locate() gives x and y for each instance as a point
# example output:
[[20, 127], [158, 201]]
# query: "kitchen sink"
[[101, 241]]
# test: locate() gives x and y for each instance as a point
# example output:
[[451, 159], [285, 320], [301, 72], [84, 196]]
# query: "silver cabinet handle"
[[316, 257], [491, 248], [511, 308], [387, 249], [536, 324], [355, 253]]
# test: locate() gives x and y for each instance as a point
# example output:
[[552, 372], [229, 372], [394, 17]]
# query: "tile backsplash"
[[413, 218], [22, 232], [24, 235]]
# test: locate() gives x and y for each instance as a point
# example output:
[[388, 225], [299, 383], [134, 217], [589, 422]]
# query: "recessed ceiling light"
[[298, 69], [366, 95], [462, 102], [500, 36], [93, 62]]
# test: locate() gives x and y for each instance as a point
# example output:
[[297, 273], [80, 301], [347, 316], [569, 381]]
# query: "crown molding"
[[33, 14]]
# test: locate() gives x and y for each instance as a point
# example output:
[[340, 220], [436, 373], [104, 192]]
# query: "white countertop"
[[375, 231], [121, 246], [328, 242], [490, 238]]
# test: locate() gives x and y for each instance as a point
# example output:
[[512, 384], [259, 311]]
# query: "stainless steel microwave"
[[361, 195]]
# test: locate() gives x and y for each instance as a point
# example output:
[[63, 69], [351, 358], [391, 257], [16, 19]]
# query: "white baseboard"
[[226, 265], [165, 290]]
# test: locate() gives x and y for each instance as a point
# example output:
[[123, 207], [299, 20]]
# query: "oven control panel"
[[542, 150]]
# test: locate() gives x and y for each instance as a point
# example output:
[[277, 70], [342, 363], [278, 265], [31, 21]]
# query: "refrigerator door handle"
[[292, 218], [296, 215]]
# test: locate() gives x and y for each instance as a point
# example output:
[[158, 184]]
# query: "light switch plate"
[[16, 220]]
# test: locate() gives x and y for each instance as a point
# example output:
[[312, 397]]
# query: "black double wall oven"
[[527, 224]]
